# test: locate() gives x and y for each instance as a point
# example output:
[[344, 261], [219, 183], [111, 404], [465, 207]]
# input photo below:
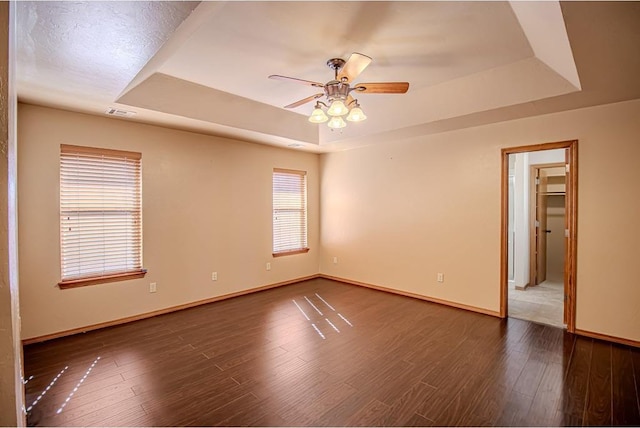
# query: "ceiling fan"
[[339, 91]]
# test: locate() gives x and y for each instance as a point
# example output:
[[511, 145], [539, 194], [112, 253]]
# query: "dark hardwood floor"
[[323, 353]]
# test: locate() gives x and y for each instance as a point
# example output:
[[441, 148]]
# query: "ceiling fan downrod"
[[336, 89], [336, 64]]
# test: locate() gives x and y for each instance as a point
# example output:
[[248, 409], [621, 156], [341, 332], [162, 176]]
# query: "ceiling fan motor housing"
[[335, 90]]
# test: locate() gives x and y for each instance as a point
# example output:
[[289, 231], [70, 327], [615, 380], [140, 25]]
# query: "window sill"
[[82, 282], [289, 253]]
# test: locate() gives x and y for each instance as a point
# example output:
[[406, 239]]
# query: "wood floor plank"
[[91, 387], [81, 398], [530, 377], [290, 389], [458, 408], [508, 368], [77, 406], [256, 360], [309, 408], [270, 367], [338, 415], [548, 396], [625, 409], [485, 405], [370, 414], [387, 392], [244, 354], [635, 358], [334, 363], [575, 385], [249, 413], [458, 360], [404, 408], [418, 421], [427, 348], [378, 374], [271, 419], [222, 415], [515, 412], [181, 409], [119, 405], [599, 399]]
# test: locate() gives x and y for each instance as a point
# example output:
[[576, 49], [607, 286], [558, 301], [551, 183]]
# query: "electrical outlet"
[[440, 277], [335, 260], [214, 276], [152, 287], [268, 266]]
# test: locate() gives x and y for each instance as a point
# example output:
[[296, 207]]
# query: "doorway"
[[538, 233], [547, 206], [538, 296]]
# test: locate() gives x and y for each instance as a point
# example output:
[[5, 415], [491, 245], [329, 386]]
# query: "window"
[[289, 212], [100, 215]]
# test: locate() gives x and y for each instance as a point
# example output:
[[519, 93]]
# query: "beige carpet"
[[542, 303]]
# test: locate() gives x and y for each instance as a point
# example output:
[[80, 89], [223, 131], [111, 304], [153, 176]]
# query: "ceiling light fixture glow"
[[318, 116], [337, 108], [335, 111], [336, 122], [356, 114]]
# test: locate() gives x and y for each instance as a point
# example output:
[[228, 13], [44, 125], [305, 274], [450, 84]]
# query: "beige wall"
[[206, 207], [396, 214]]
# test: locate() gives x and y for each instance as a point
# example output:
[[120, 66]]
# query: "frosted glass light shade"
[[318, 116], [356, 115], [336, 123], [337, 108]]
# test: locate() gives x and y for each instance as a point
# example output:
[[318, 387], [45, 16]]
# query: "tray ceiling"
[[204, 66]]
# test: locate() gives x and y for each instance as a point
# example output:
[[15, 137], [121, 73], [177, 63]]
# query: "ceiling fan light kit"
[[337, 108], [356, 114], [318, 116], [336, 122], [338, 92]]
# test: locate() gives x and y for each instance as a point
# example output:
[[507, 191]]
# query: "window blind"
[[289, 211], [100, 212]]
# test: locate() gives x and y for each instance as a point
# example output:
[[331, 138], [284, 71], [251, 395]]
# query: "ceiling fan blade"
[[304, 100], [354, 66], [382, 88], [304, 82]]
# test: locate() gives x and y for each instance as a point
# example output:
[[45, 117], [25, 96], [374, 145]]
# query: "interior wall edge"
[[414, 295], [608, 338], [120, 321], [222, 186], [66, 333], [388, 215]]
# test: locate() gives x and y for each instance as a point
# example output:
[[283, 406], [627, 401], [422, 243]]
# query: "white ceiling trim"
[[169, 94], [543, 71], [544, 27]]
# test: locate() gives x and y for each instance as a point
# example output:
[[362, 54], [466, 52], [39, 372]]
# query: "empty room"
[[320, 213]]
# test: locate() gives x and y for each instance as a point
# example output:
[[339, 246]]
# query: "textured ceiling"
[[90, 50], [204, 66]]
